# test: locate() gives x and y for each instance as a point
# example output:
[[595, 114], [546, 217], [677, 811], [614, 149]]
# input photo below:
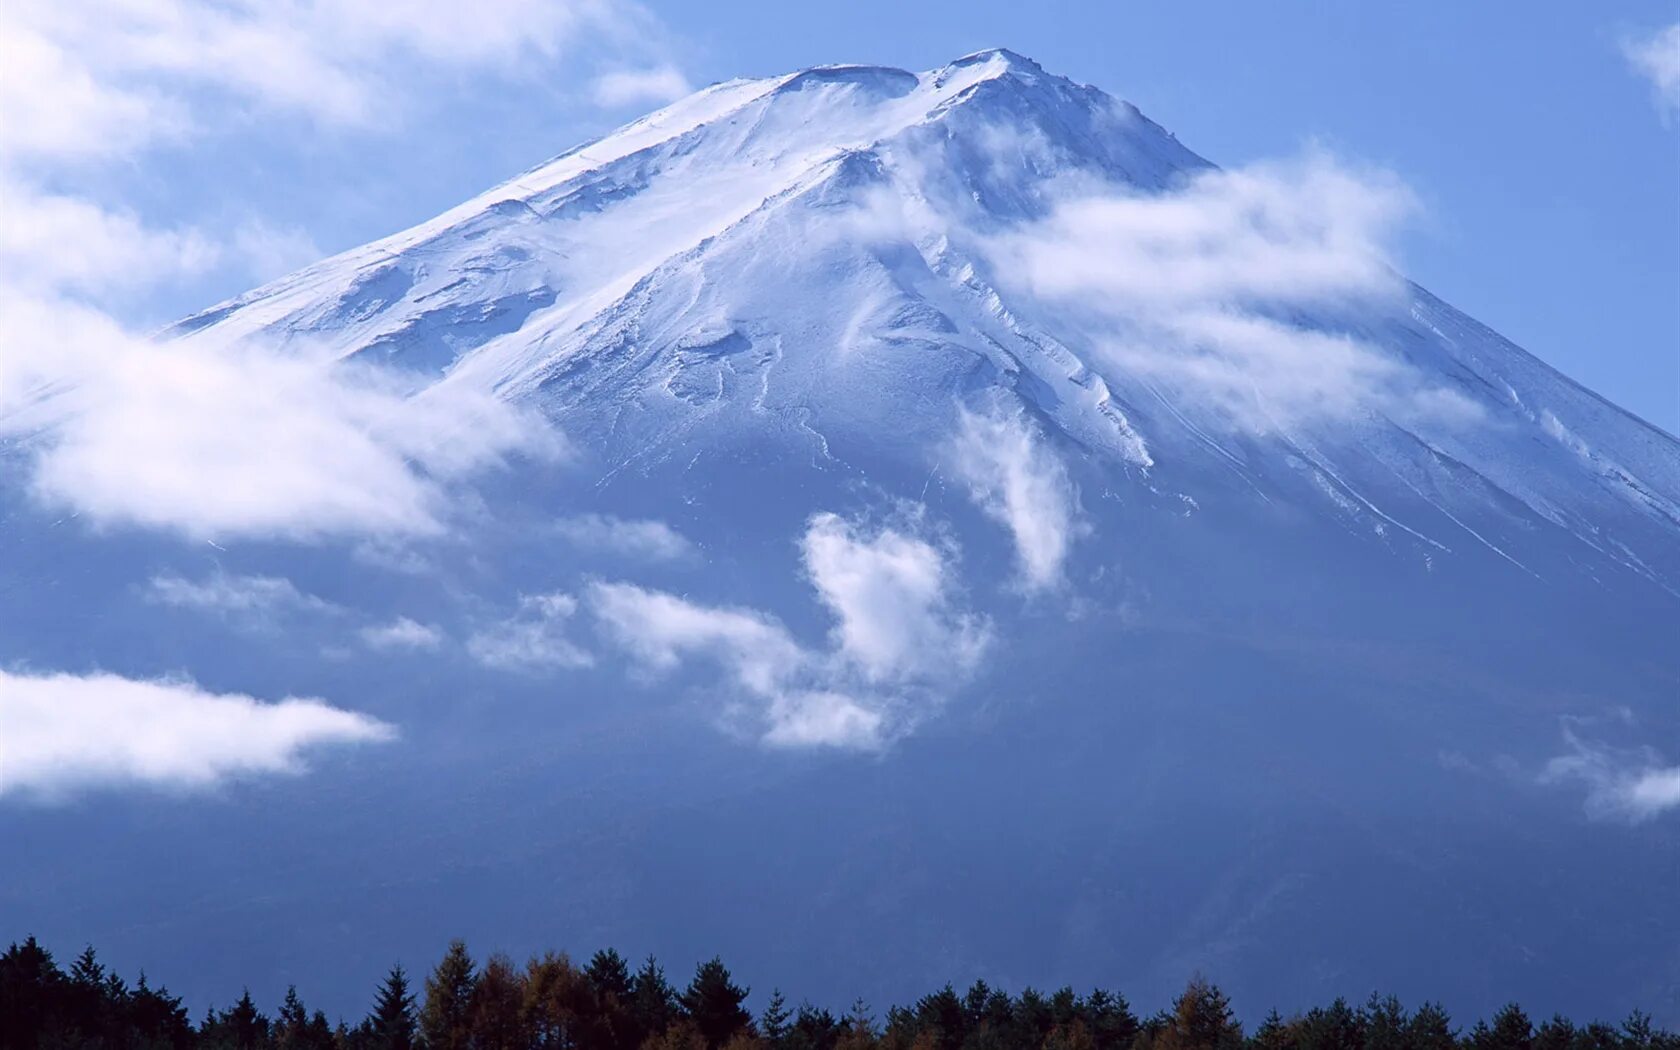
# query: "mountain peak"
[[1013, 60]]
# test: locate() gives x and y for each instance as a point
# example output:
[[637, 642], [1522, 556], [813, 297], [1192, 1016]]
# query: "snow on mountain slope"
[[820, 253]]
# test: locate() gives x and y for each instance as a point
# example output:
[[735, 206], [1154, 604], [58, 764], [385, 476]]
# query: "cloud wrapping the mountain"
[[232, 439], [1197, 289], [67, 733], [1020, 483]]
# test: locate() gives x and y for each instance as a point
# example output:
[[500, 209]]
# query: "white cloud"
[[628, 87], [823, 719], [889, 592], [402, 633], [535, 639], [755, 651], [247, 601], [1197, 290], [1629, 784], [232, 439], [103, 76], [66, 733], [1657, 58], [636, 538], [898, 649], [1020, 483], [661, 629], [51, 243]]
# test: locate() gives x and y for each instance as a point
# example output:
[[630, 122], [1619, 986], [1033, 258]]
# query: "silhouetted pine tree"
[[1510, 1030], [31, 995], [446, 1016], [713, 1001], [295, 1028], [1430, 1029], [1110, 1020], [1336, 1027], [653, 1000], [773, 1022], [942, 1017], [614, 1024], [1273, 1034], [392, 1025]]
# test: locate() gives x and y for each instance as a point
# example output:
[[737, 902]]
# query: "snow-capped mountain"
[[821, 252], [976, 536]]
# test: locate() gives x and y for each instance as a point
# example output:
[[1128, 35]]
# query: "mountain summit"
[[857, 252], [973, 535]]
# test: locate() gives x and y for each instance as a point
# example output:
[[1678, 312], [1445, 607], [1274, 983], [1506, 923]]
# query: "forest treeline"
[[551, 1003]]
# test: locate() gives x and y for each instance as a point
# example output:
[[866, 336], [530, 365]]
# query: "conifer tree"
[[558, 1003], [773, 1022], [496, 1007], [1385, 1023], [1110, 1020], [653, 1000], [446, 1017], [943, 1018], [614, 1024], [1273, 1034], [392, 1025], [31, 991], [1510, 1030], [1336, 1027], [295, 1028], [713, 1002], [1200, 1020], [1430, 1029]]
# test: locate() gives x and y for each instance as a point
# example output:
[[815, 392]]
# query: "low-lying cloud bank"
[[70, 733]]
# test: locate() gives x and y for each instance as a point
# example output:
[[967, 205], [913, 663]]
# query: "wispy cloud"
[[69, 733], [1198, 289], [900, 645], [250, 602], [536, 638], [401, 633], [1624, 783], [1657, 58], [637, 538], [1019, 482], [636, 87], [757, 653]]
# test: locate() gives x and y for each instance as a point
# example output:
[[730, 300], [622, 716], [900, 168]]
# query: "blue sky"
[[1546, 159]]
